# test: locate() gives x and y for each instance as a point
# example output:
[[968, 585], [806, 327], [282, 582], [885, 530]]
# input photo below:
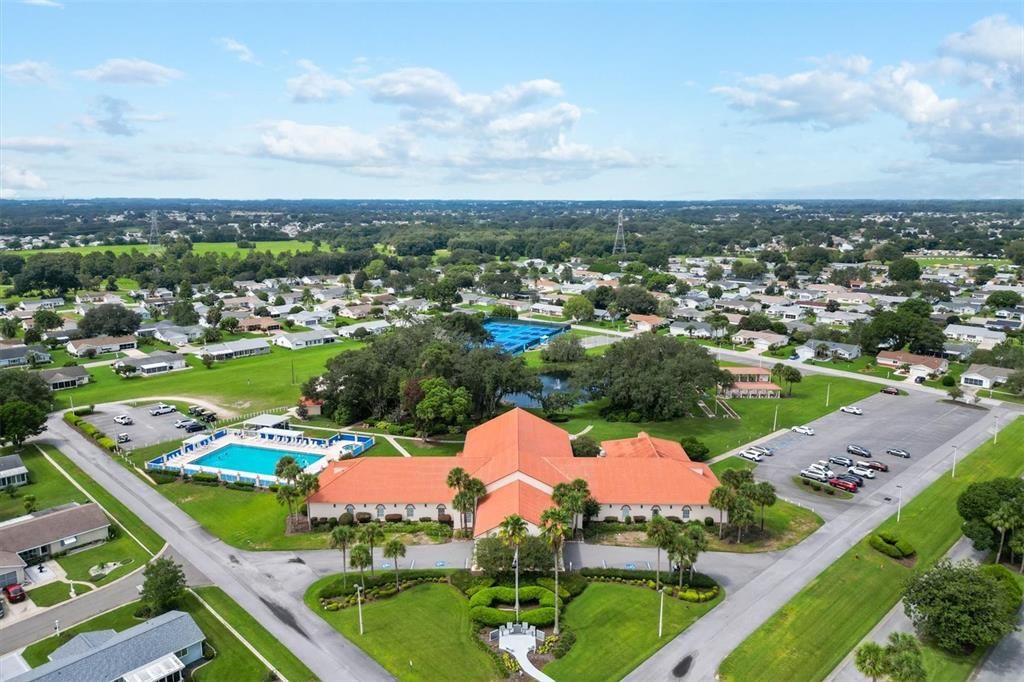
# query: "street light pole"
[[954, 460], [899, 504], [995, 430], [359, 600], [661, 612], [828, 393], [775, 420]]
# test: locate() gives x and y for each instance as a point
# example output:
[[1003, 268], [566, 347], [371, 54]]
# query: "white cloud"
[[116, 117], [240, 50], [137, 71], [13, 179], [329, 145], [559, 117], [43, 3], [37, 145], [992, 39], [316, 85], [28, 72]]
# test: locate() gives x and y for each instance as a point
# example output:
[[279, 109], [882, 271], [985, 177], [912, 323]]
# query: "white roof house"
[[298, 340]]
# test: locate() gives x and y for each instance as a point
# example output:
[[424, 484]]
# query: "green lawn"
[[275, 247], [259, 382], [264, 642], [863, 585], [55, 592], [47, 484], [733, 462], [785, 525], [232, 662], [419, 449], [721, 435], [427, 625], [865, 364], [616, 629], [121, 549]]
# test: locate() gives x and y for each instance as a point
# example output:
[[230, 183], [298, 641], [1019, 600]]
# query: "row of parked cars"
[[857, 472], [200, 416]]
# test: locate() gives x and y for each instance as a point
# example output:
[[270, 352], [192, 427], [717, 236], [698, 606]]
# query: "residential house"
[[43, 534], [258, 324], [818, 348], [696, 330], [839, 318], [158, 650], [156, 362], [299, 340], [62, 378], [355, 311], [41, 304], [371, 327], [310, 319], [23, 356], [917, 365], [12, 472], [230, 350], [646, 323], [984, 338], [984, 376], [98, 345], [958, 351], [751, 382], [760, 340], [546, 309]]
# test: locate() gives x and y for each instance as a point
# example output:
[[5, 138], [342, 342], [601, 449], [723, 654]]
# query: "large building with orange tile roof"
[[520, 458]]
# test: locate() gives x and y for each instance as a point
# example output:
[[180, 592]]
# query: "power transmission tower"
[[620, 238], [153, 230]]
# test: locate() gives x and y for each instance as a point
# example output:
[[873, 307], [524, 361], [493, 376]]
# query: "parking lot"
[[916, 423], [146, 429]]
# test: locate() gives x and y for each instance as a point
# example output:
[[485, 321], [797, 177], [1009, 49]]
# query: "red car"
[[877, 466], [14, 593], [891, 390], [843, 485]]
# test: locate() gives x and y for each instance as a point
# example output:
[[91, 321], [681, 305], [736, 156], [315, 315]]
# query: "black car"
[[192, 428], [853, 478], [898, 452], [858, 450], [208, 417]]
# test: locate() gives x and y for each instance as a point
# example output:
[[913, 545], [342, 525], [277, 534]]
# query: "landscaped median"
[[608, 625], [809, 636]]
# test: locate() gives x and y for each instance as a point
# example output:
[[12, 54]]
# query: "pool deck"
[[327, 456]]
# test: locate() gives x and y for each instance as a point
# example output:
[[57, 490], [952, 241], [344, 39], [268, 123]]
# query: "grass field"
[[55, 593], [793, 645], [275, 247], [264, 642], [865, 364], [422, 634], [121, 549], [616, 629], [232, 662], [254, 383], [785, 524], [47, 484]]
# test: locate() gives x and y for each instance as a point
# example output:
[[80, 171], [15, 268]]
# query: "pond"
[[551, 382]]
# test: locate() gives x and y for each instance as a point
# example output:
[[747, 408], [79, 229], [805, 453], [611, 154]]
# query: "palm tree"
[[1002, 519], [721, 499], [341, 538], [573, 498], [698, 543], [554, 524], [512, 532], [394, 550], [741, 515], [457, 478], [306, 485], [475, 488], [662, 533], [370, 534], [763, 493], [287, 494], [870, 660], [679, 551], [1017, 547], [360, 558], [462, 503]]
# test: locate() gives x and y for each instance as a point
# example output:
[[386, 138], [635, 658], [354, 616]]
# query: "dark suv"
[[192, 428], [858, 450]]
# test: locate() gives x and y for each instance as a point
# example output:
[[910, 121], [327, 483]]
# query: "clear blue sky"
[[521, 100]]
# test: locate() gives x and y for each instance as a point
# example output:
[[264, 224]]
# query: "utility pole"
[[954, 460], [995, 430], [359, 600], [899, 503], [828, 393], [661, 612], [775, 420], [619, 246]]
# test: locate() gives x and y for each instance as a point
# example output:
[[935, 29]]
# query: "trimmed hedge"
[[338, 589], [481, 611], [507, 595], [491, 617], [699, 580], [891, 545], [162, 477]]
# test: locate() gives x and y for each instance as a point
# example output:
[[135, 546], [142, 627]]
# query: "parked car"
[[794, 356], [193, 427], [898, 452], [208, 417], [862, 471], [851, 409], [14, 593], [891, 390], [762, 449], [842, 485], [805, 430], [751, 455], [123, 438], [858, 450], [815, 475], [123, 420], [874, 464], [852, 478], [194, 410], [3, 612], [160, 409], [182, 423], [824, 470], [918, 380], [841, 461]]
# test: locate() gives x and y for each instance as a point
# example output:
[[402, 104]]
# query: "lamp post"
[[828, 393], [775, 420], [954, 460], [995, 430], [899, 503], [661, 612], [359, 601]]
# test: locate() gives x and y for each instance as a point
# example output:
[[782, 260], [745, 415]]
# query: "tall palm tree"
[[554, 525], [360, 558], [662, 533], [1003, 519], [698, 542], [870, 660], [306, 485], [456, 479], [512, 532], [394, 550], [763, 493], [475, 489], [370, 534], [741, 515], [679, 550], [721, 499], [573, 498], [341, 538]]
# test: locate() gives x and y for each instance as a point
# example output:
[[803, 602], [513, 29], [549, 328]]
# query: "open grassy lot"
[[862, 585], [865, 364], [721, 435], [232, 662], [55, 592], [278, 246], [254, 383], [264, 642], [123, 550], [616, 629], [46, 483], [427, 625], [785, 524]]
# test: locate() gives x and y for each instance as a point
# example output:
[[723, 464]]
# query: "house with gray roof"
[[299, 340], [12, 471], [43, 534], [61, 378], [696, 330], [156, 362], [230, 350], [158, 650], [819, 348], [22, 356], [984, 376]]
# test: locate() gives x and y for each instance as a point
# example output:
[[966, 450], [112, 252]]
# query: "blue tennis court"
[[516, 337]]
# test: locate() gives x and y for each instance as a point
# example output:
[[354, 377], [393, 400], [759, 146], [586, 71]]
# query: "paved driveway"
[[917, 423], [147, 429]]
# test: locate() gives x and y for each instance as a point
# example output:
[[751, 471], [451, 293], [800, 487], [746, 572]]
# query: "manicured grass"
[[275, 247], [616, 630], [258, 382], [120, 549], [125, 517], [47, 484], [279, 656], [865, 364], [54, 593], [417, 448], [863, 585], [421, 634], [232, 662], [721, 435], [733, 462], [785, 525], [382, 447]]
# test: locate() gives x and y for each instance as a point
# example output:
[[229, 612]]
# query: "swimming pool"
[[253, 460], [516, 337]]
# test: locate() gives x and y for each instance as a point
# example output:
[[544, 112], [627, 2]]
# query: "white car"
[[815, 475], [851, 409], [805, 430], [862, 471], [761, 450], [123, 420], [182, 423], [160, 409], [751, 455]]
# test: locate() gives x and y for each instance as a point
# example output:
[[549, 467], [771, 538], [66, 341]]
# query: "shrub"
[[106, 443], [565, 641], [363, 517], [491, 617], [611, 519], [948, 381], [709, 521], [639, 519], [393, 518], [699, 580], [241, 485], [425, 519], [830, 491], [445, 518], [695, 449], [346, 519], [1012, 591], [162, 477], [674, 519], [890, 544], [464, 581], [83, 411]]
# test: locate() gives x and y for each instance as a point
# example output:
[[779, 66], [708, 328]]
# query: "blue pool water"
[[251, 459], [516, 337]]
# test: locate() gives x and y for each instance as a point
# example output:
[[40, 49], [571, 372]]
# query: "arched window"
[[625, 512], [410, 511], [441, 509], [350, 508], [655, 511], [686, 513], [380, 511]]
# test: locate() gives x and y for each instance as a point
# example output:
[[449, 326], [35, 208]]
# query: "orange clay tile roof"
[[748, 370], [752, 385], [644, 446], [516, 441], [515, 498], [389, 479], [655, 480]]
